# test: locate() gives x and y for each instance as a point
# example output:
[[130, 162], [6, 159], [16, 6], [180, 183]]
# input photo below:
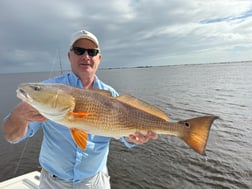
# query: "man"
[[64, 165]]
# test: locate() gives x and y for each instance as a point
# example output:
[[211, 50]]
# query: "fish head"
[[53, 101]]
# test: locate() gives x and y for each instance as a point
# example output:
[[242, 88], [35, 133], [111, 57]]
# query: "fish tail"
[[197, 131]]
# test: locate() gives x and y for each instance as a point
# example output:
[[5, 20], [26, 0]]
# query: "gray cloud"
[[131, 32]]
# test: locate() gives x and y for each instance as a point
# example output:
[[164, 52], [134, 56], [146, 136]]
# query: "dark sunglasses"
[[80, 51]]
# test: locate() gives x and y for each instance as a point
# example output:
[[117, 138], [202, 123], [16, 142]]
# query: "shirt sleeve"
[[33, 127], [126, 143]]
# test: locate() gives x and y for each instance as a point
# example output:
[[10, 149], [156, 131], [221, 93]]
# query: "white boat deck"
[[26, 181]]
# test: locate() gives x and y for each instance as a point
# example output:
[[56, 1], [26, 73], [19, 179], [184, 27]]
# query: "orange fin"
[[80, 138], [197, 131], [78, 114]]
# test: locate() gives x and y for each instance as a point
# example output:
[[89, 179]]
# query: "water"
[[182, 92]]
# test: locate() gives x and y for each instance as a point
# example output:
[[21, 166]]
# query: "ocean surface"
[[183, 92]]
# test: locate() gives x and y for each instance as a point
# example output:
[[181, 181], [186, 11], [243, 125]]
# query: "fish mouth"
[[23, 95]]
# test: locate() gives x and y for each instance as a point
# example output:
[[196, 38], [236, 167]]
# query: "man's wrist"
[[127, 143]]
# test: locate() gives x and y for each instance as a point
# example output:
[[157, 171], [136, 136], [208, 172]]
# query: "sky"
[[35, 35]]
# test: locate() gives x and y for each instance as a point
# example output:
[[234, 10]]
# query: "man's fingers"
[[28, 113], [152, 135], [38, 118], [139, 138]]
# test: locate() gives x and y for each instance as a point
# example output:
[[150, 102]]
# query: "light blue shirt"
[[59, 154]]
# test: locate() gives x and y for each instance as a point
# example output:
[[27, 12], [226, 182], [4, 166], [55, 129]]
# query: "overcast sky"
[[34, 34]]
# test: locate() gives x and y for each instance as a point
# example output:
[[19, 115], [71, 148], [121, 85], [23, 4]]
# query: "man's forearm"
[[14, 128]]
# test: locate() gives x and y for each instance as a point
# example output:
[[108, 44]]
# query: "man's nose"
[[85, 55]]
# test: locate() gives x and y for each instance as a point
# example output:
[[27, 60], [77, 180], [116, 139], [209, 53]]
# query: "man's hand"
[[15, 126], [27, 113], [139, 138]]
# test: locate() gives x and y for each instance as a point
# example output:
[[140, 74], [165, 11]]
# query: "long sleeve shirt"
[[59, 154]]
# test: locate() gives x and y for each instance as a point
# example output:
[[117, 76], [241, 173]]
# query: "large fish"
[[97, 112]]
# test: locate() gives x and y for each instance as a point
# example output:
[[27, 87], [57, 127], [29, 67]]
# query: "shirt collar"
[[76, 82]]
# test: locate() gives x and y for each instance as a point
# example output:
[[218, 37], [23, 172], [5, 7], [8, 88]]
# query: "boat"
[[26, 181]]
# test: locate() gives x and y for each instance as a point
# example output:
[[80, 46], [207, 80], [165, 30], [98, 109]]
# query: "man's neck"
[[87, 82]]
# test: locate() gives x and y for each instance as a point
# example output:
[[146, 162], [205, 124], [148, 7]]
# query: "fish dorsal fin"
[[141, 105], [102, 92], [80, 138]]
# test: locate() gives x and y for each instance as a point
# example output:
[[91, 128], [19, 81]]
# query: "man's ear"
[[68, 55]]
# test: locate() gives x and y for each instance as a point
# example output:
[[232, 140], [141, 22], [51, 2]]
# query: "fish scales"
[[119, 117], [97, 112], [122, 118]]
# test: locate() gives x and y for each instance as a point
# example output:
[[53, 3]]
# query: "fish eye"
[[186, 124], [37, 88]]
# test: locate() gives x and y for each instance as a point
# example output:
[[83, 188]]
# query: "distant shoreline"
[[221, 63], [137, 67]]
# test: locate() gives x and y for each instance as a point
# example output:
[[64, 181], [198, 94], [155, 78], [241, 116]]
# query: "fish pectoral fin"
[[78, 114], [80, 138], [141, 105]]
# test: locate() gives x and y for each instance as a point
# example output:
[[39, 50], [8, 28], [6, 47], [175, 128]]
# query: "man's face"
[[84, 65]]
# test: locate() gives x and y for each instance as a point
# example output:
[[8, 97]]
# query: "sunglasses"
[[80, 51]]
